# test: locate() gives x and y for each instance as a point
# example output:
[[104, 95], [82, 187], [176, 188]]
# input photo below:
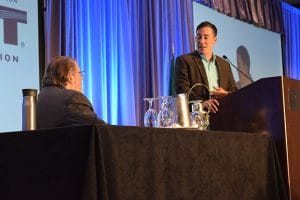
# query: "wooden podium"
[[268, 106]]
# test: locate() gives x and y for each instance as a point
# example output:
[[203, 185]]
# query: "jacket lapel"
[[220, 71], [200, 67]]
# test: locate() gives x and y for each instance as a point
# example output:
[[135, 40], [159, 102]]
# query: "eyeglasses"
[[82, 73]]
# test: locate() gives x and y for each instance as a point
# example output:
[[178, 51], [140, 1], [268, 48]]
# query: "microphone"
[[235, 67]]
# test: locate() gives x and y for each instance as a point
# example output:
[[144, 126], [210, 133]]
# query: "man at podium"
[[204, 67]]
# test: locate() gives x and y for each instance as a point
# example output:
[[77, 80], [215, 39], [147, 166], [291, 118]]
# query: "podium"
[[268, 106]]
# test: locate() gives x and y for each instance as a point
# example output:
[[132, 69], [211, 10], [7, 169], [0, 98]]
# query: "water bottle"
[[29, 109]]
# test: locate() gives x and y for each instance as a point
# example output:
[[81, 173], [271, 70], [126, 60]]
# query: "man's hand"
[[211, 105], [219, 92]]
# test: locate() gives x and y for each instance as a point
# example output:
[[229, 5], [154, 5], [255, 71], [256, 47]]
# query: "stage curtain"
[[261, 13], [291, 18], [125, 47]]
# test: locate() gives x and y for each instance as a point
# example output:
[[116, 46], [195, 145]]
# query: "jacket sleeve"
[[225, 74], [231, 85], [80, 111], [182, 82]]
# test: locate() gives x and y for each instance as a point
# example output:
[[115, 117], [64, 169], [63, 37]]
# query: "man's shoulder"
[[61, 93], [76, 96], [52, 91], [187, 58], [221, 60], [189, 55], [73, 92]]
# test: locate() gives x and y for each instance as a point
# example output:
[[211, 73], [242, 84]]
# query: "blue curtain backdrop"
[[291, 19], [125, 46]]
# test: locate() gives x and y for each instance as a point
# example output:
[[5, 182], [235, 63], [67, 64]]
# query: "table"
[[119, 162]]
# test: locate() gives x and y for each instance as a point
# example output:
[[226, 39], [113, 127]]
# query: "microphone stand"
[[235, 67]]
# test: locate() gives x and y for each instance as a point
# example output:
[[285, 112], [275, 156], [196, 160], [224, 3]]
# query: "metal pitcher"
[[182, 106], [199, 117]]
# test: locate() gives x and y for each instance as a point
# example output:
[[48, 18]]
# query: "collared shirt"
[[211, 71]]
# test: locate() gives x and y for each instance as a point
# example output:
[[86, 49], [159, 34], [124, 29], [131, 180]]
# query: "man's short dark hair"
[[208, 24]]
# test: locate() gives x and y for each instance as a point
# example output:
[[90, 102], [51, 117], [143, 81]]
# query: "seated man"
[[61, 101]]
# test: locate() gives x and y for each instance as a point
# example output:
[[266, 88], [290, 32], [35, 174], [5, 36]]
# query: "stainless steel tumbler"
[[29, 109], [183, 113]]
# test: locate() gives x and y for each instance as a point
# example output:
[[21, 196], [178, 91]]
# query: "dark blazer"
[[57, 106], [189, 70]]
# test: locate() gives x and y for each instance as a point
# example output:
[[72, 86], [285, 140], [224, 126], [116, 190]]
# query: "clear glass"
[[150, 117], [200, 117], [165, 116]]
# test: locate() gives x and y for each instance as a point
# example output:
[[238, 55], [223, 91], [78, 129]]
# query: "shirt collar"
[[203, 57]]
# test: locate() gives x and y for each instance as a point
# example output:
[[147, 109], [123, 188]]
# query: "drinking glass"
[[165, 116], [150, 117], [200, 117]]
